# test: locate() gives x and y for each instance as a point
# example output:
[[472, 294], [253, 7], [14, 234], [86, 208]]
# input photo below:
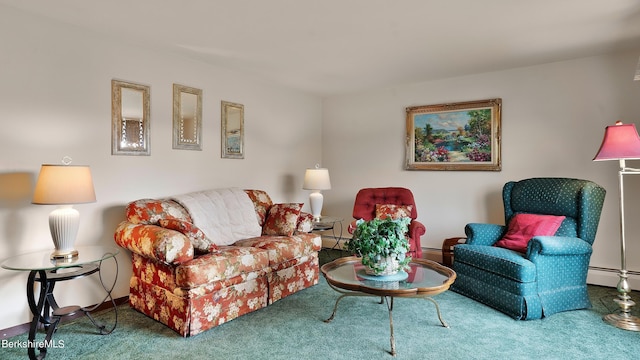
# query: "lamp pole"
[[623, 318]]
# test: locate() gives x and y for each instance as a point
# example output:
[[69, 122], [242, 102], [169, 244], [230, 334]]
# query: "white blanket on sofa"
[[224, 215]]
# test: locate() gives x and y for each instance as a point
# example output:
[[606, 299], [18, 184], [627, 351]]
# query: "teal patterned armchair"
[[551, 275]]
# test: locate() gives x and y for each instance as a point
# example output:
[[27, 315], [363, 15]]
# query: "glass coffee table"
[[423, 279]]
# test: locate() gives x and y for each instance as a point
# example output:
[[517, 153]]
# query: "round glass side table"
[[47, 273], [326, 223]]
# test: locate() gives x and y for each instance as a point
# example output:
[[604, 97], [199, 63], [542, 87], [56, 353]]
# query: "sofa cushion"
[[225, 263], [199, 240], [283, 249], [523, 227], [262, 202], [150, 211], [305, 223], [282, 219], [501, 261]]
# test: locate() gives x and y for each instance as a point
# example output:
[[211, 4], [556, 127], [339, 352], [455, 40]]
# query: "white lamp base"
[[63, 224], [315, 201]]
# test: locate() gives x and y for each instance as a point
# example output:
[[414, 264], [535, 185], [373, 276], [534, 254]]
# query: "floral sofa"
[[193, 273]]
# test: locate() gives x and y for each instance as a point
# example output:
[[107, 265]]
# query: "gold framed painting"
[[456, 136]]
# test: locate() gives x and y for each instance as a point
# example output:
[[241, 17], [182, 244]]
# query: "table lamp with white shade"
[[64, 185], [316, 180]]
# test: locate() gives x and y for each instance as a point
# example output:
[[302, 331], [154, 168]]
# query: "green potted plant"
[[382, 244]]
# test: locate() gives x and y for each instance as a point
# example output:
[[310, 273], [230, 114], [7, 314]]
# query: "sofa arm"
[[154, 242], [557, 246], [483, 234], [416, 230]]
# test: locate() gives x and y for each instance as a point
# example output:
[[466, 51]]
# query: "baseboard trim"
[[610, 277], [24, 328]]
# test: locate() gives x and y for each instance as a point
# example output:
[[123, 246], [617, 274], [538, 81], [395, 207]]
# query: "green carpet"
[[292, 328]]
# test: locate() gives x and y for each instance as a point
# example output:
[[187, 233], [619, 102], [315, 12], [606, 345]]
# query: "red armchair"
[[365, 208]]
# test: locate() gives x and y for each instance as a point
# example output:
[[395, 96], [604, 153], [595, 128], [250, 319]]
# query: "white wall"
[[55, 100], [553, 121]]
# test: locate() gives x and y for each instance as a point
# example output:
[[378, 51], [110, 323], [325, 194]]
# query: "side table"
[[47, 272], [447, 249], [326, 223]]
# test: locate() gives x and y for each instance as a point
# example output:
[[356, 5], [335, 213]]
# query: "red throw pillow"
[[198, 239], [305, 222], [282, 219], [522, 227], [384, 211]]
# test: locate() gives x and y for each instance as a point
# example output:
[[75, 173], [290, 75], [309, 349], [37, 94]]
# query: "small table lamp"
[[621, 142], [316, 179], [64, 185]]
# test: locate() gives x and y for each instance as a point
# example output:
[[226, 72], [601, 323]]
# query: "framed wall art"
[[232, 130], [187, 118], [130, 117], [456, 136]]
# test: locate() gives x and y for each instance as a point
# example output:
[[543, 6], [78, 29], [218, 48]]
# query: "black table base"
[[47, 313]]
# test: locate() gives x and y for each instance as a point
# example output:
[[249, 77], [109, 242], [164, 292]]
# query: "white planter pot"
[[386, 266]]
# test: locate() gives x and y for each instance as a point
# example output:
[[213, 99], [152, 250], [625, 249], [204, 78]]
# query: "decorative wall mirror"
[[130, 116], [232, 130], [187, 117]]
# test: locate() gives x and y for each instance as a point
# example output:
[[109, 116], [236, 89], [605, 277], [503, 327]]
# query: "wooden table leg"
[[447, 249]]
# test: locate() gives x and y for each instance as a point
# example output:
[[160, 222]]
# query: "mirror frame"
[[228, 131], [179, 141], [118, 123]]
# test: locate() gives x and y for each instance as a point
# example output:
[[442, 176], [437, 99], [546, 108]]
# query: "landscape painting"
[[457, 136]]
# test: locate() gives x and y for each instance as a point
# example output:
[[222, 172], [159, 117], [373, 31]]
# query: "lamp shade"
[[621, 141], [316, 179], [64, 184]]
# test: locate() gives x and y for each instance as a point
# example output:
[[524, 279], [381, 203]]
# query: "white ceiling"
[[330, 47]]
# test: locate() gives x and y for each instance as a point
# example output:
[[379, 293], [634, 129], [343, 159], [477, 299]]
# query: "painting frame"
[[463, 136], [187, 118], [130, 118], [232, 130]]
